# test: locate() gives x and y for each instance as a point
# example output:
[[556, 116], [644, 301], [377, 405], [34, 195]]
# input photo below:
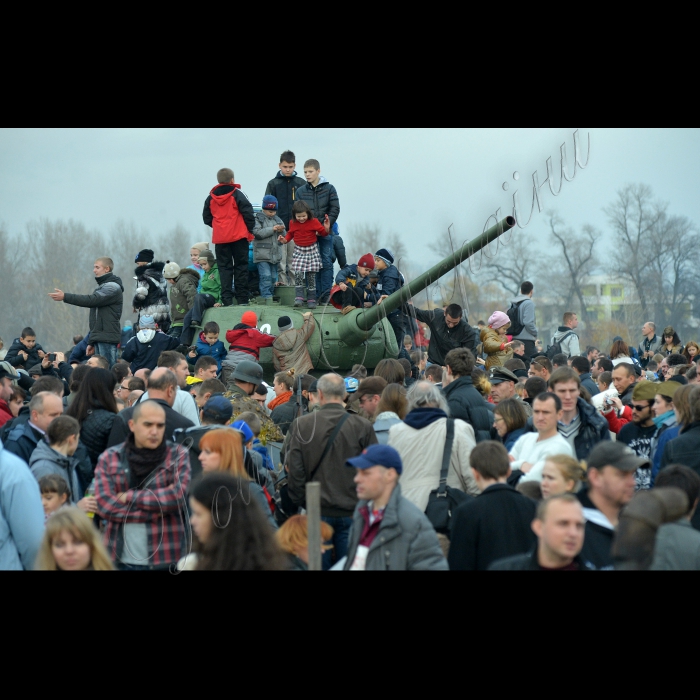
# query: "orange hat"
[[249, 318]]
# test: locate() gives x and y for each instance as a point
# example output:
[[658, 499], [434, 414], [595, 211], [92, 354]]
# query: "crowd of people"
[[475, 448]]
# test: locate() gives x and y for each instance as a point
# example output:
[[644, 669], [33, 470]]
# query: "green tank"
[[363, 336]]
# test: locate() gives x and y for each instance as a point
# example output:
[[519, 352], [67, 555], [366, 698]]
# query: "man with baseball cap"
[[639, 432], [611, 483], [503, 383], [388, 532], [7, 374]]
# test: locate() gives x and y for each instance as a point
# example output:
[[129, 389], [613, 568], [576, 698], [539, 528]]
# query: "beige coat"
[[492, 347], [289, 349], [421, 454]]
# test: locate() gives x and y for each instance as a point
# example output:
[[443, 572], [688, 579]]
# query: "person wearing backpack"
[[522, 320], [565, 341]]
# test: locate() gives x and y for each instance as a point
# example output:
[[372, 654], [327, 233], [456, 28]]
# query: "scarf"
[[660, 420], [142, 460], [423, 417], [282, 398]]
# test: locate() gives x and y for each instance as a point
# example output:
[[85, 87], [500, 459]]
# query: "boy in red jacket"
[[230, 214]]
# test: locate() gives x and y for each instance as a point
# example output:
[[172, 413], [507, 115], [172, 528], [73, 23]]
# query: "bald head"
[[44, 408], [148, 425], [143, 374], [162, 384]]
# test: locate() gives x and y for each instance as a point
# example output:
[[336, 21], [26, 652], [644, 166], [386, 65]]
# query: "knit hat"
[[249, 318], [201, 246], [218, 408], [147, 322], [145, 255], [208, 256], [498, 319], [386, 255], [269, 202], [366, 261], [244, 428], [171, 270], [284, 323]]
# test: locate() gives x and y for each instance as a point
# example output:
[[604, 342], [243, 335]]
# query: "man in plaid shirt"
[[140, 488]]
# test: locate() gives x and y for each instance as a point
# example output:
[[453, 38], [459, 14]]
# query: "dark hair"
[[406, 367], [590, 348], [535, 386], [77, 377], [682, 478], [358, 371], [675, 360], [628, 367], [48, 383], [224, 175], [120, 370], [393, 399], [526, 287], [454, 311], [461, 362], [676, 339], [564, 374], [136, 384], [61, 429], [288, 157], [78, 339], [547, 396], [417, 356], [170, 359], [515, 364], [211, 327], [560, 360], [28, 333], [241, 538], [619, 347], [691, 374], [300, 206], [260, 390], [96, 391], [434, 372], [204, 362], [605, 364], [18, 393], [490, 459], [605, 378], [53, 483], [543, 362], [391, 371], [513, 413], [211, 386], [581, 364]]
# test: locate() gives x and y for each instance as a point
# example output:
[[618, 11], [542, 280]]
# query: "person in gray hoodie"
[[565, 336], [526, 327]]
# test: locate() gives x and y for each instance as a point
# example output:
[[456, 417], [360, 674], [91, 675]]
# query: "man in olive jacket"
[[305, 459], [105, 305], [389, 533]]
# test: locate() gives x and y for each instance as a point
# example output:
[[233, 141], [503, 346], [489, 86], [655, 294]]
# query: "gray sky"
[[411, 181]]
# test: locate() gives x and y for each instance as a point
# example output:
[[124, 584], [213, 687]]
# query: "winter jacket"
[[653, 345], [526, 314], [588, 383], [493, 526], [383, 423], [182, 295], [21, 514], [323, 199], [350, 276], [599, 534], [79, 353], [22, 440], [211, 284], [265, 246], [468, 404], [568, 341], [192, 436], [105, 305], [16, 360], [217, 351], [151, 298], [389, 281], [406, 540], [230, 214], [144, 349], [94, 432], [289, 349], [530, 562], [45, 460], [243, 338], [338, 494], [420, 441], [494, 346], [442, 338], [677, 547], [675, 350], [285, 188]]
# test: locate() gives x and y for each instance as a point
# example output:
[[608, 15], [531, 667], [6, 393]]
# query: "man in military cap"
[[503, 383], [244, 380]]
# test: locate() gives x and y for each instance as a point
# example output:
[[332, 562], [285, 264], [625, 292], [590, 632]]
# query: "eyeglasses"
[[635, 407], [124, 388]]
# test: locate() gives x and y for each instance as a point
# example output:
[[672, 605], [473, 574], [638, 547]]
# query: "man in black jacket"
[[105, 305], [496, 524], [449, 329], [559, 526], [463, 398], [583, 368]]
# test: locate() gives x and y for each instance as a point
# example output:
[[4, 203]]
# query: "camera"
[[52, 357], [609, 402]]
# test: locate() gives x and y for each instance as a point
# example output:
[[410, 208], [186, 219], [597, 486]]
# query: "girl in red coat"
[[304, 231]]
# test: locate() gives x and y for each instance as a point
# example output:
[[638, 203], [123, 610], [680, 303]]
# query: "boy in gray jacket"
[[267, 252]]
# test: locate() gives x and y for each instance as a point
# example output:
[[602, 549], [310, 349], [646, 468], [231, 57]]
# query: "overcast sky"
[[411, 181]]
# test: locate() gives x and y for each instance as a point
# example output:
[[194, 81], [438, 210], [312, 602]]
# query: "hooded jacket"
[[105, 305], [217, 351], [45, 460], [144, 349], [16, 360], [22, 440], [526, 313], [442, 338], [211, 284], [243, 338], [570, 345], [265, 246], [285, 188], [230, 214], [151, 297], [182, 294], [493, 345], [466, 403], [323, 199], [289, 348]]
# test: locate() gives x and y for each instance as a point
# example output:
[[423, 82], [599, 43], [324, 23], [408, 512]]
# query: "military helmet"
[[248, 371]]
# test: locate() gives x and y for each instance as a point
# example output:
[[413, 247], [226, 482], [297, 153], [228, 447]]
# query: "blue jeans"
[[341, 536], [324, 278], [107, 350], [266, 271]]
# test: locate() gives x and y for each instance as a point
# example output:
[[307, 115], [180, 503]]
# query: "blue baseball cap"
[[269, 202], [351, 385], [218, 408], [243, 427], [377, 455]]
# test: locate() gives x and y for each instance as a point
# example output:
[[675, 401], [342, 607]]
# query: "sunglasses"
[[635, 407]]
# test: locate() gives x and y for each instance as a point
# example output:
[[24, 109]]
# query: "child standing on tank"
[[267, 251], [390, 281], [304, 230], [351, 286]]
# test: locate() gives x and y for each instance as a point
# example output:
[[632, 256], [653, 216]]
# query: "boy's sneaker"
[[298, 302]]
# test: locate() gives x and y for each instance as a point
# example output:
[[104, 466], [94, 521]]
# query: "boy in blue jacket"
[[208, 343], [353, 281]]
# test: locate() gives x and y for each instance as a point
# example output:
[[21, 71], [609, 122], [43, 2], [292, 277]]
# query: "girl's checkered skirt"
[[306, 259]]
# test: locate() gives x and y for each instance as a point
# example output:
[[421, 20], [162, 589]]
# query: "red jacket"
[[249, 340], [5, 413], [229, 213], [304, 234], [616, 423]]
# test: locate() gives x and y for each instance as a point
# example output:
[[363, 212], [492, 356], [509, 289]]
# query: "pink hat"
[[498, 320]]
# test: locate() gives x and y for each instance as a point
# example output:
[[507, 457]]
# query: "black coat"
[[94, 432], [468, 404], [146, 355], [285, 413], [444, 339], [16, 360], [493, 526], [597, 540], [149, 278], [323, 199], [529, 562], [105, 305], [173, 421], [285, 189]]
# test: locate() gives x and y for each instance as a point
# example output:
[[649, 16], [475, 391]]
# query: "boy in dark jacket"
[[352, 281], [144, 349], [230, 214], [209, 344], [151, 297], [322, 197], [25, 352], [390, 281]]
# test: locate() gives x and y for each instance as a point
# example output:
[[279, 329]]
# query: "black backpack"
[[555, 347], [516, 326]]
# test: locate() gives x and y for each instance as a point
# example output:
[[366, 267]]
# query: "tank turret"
[[363, 336]]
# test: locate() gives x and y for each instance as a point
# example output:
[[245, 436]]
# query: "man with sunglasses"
[[638, 433]]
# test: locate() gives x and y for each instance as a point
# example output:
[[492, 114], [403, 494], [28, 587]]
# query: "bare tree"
[[365, 238], [508, 262]]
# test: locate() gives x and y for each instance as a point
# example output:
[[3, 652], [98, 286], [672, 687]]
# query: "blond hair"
[[571, 469]]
